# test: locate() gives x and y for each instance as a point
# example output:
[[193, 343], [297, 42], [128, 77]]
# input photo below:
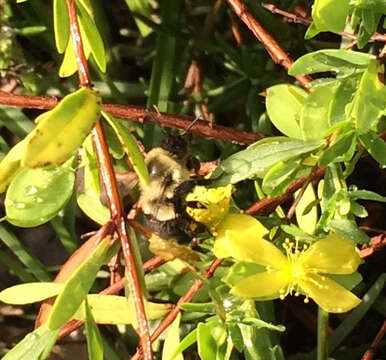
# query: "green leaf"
[[93, 336], [347, 281], [23, 254], [236, 336], [30, 30], [279, 176], [61, 25], [211, 340], [257, 344], [79, 283], [115, 147], [109, 349], [330, 60], [188, 340], [374, 5], [87, 6], [358, 210], [240, 271], [258, 158], [29, 293], [330, 15], [140, 7], [343, 96], [345, 328], [349, 230], [64, 226], [311, 31], [62, 130], [35, 196], [89, 195], [260, 324], [368, 20], [112, 309], [130, 147], [374, 145], [93, 208], [15, 121], [307, 222], [284, 103], [342, 149], [198, 307], [296, 232], [15, 268], [182, 285], [69, 65], [366, 195], [314, 116], [35, 346], [370, 101], [363, 35], [94, 39], [172, 341]]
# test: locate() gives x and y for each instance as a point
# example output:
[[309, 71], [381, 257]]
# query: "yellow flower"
[[297, 272], [212, 204]]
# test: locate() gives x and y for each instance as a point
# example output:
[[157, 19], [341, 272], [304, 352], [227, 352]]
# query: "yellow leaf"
[[62, 130]]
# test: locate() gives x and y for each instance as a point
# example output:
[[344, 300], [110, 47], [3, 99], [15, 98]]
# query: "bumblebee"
[[163, 200]]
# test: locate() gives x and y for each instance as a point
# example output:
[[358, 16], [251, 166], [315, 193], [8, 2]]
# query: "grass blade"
[[23, 254]]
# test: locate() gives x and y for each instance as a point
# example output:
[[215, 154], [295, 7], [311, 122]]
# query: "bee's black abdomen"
[[178, 229]]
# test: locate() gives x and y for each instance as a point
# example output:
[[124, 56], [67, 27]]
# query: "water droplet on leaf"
[[30, 190]]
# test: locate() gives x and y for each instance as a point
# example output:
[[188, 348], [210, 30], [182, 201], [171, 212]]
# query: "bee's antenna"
[[190, 126], [149, 113]]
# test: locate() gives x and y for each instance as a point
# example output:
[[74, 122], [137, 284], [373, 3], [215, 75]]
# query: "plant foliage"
[[197, 59]]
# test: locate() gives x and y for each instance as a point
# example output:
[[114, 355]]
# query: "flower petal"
[[214, 204], [263, 284], [240, 236], [332, 255], [328, 294]]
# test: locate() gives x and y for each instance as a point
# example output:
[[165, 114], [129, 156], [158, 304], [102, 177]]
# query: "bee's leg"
[[184, 189], [178, 228], [193, 164], [187, 186]]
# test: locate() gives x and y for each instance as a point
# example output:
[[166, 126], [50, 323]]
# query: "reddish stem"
[[176, 310], [377, 243], [117, 215], [369, 354], [111, 189], [276, 52], [267, 205], [81, 61], [45, 102], [305, 21], [149, 265]]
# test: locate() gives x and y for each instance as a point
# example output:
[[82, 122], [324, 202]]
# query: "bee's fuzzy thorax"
[[166, 173]]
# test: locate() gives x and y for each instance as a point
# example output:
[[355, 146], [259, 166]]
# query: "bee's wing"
[[163, 207]]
